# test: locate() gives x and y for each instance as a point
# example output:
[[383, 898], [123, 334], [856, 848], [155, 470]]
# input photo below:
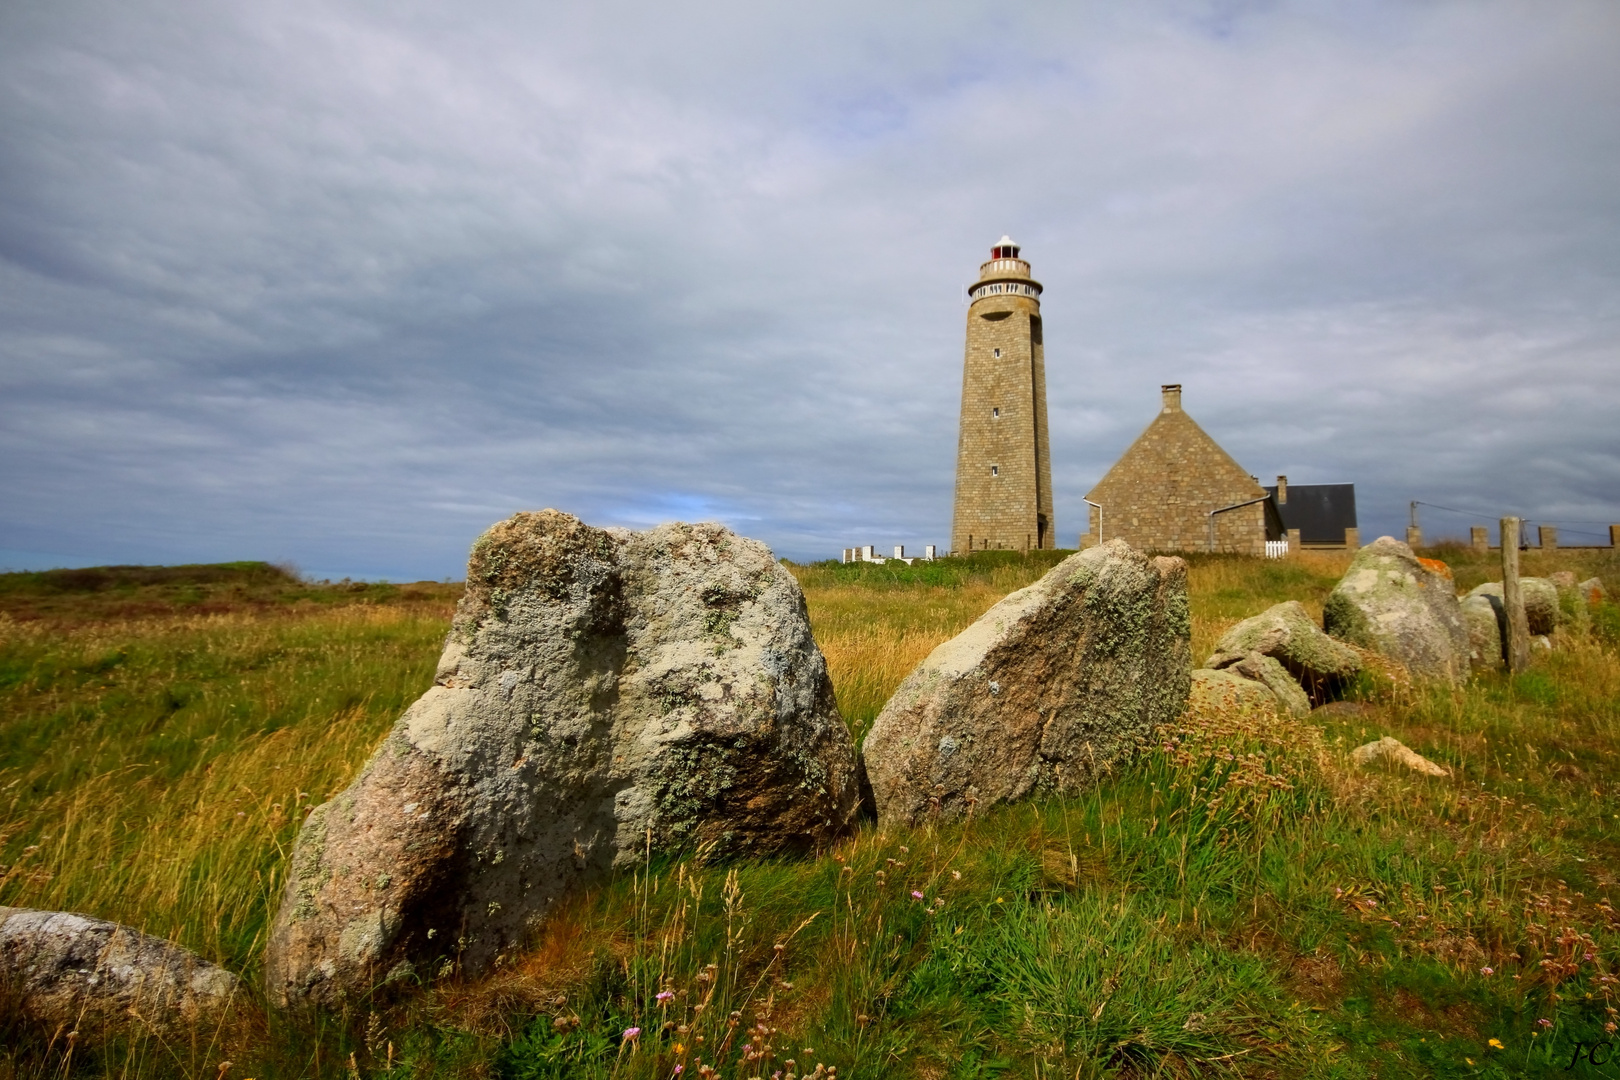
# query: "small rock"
[[1594, 592], [73, 971], [1287, 632], [1225, 691], [1391, 603], [1046, 691], [602, 692], [1269, 670], [1396, 752], [1542, 642]]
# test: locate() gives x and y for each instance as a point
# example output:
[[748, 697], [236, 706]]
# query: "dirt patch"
[[1317, 979]]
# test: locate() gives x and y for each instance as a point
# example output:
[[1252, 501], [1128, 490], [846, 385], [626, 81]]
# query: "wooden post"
[[1477, 540], [1516, 627]]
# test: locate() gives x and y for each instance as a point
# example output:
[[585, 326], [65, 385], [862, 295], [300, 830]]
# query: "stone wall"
[[1158, 495]]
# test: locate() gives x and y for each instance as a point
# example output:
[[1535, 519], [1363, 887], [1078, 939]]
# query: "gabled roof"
[[1174, 450]]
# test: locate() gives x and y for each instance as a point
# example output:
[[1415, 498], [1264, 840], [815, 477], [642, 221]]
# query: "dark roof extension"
[[1321, 512]]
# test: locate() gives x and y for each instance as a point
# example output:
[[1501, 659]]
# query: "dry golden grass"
[[155, 771]]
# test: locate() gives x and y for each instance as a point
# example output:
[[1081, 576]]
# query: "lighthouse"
[[1003, 459]]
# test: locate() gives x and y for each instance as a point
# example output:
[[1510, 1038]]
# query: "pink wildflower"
[[915, 895], [631, 1033], [1487, 971], [666, 995]]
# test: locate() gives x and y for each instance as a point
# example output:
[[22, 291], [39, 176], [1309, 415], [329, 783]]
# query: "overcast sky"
[[342, 284]]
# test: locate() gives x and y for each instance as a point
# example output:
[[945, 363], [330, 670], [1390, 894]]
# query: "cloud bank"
[[341, 284]]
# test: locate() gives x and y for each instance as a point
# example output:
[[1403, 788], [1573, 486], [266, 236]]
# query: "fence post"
[[1477, 540], [1516, 627]]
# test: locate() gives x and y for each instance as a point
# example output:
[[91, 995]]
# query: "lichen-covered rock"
[[1288, 633], [1225, 691], [1594, 592], [1046, 691], [71, 971], [1540, 601], [1483, 615], [602, 692], [1269, 670], [1391, 603]]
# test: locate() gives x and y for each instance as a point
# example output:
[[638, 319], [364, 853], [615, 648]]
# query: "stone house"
[[1159, 495]]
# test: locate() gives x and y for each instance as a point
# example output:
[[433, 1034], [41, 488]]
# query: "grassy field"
[[1237, 901]]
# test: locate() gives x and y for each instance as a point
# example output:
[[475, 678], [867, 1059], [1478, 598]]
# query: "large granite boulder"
[[66, 971], [602, 694], [1390, 602], [1484, 616], [1540, 601], [1046, 691], [1287, 633]]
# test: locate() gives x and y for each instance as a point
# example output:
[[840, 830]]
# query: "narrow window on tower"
[[997, 353], [995, 470], [994, 413]]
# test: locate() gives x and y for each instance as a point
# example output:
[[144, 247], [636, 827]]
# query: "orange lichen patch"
[[1437, 566]]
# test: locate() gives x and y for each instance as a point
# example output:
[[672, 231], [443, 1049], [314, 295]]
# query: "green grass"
[[1237, 901]]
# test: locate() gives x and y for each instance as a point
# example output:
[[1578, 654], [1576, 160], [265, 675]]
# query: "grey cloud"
[[342, 284]]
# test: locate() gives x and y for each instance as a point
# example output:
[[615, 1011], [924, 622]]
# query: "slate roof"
[[1321, 512]]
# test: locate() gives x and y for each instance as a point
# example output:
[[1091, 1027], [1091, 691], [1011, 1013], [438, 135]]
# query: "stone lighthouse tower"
[[1003, 464]]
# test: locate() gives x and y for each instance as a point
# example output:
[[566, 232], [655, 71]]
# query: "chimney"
[[1282, 491], [1172, 396]]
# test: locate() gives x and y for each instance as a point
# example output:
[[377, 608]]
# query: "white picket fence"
[[1276, 549]]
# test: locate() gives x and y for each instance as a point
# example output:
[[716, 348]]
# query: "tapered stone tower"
[[1003, 462]]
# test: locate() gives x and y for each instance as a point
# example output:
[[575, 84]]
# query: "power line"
[[1454, 510], [1490, 514]]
